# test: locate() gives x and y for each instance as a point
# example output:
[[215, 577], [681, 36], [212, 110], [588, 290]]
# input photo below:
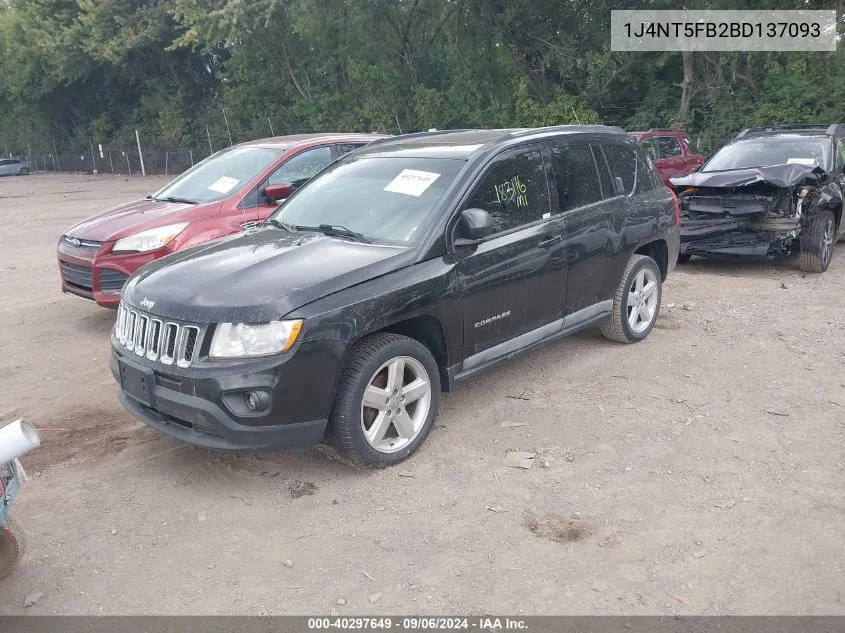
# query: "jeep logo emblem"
[[147, 304]]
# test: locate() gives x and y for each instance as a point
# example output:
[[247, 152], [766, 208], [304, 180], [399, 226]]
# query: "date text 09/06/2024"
[[418, 623], [722, 29]]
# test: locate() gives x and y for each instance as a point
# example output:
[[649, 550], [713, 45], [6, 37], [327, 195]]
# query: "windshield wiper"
[[175, 199], [280, 225], [335, 230]]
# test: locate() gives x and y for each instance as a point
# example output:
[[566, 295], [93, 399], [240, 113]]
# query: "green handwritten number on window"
[[512, 190]]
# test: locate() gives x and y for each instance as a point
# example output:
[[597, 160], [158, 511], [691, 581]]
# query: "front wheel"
[[636, 302], [24, 171], [817, 241], [387, 400]]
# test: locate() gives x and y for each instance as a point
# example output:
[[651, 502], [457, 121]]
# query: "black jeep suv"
[[400, 270], [771, 191]]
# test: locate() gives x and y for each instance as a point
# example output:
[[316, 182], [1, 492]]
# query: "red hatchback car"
[[672, 152], [225, 193]]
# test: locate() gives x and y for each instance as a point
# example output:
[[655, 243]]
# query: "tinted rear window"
[[646, 173], [623, 163], [575, 175]]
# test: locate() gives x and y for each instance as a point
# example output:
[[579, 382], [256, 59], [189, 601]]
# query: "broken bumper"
[[752, 236]]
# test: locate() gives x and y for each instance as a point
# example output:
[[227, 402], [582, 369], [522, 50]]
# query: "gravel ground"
[[699, 472]]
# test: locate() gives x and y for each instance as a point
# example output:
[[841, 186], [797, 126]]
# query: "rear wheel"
[[387, 400], [11, 548], [817, 243], [636, 302], [24, 171]]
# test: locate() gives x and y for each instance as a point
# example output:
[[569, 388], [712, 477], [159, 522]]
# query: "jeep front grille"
[[154, 338]]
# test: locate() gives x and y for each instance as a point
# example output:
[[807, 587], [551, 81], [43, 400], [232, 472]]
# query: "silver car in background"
[[14, 167]]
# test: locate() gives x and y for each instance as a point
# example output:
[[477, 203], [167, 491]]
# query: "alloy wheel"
[[396, 404], [642, 300]]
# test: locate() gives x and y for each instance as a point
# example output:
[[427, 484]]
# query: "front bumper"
[[738, 236], [96, 274], [208, 410]]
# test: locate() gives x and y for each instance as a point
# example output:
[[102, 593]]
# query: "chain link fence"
[[155, 162], [171, 162]]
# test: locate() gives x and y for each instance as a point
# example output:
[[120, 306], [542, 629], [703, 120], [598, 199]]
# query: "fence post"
[[111, 163], [166, 156], [128, 166], [93, 158], [227, 126], [140, 155]]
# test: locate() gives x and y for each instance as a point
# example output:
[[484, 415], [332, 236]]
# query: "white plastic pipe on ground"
[[16, 439]]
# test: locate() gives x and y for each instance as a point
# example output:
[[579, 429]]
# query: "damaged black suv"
[[771, 191], [400, 270]]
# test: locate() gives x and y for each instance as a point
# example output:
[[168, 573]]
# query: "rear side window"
[[575, 176], [623, 164], [513, 191], [646, 174], [345, 148]]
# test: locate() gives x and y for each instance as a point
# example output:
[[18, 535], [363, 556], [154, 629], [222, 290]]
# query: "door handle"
[[550, 241]]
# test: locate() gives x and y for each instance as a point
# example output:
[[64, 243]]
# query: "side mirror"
[[277, 192], [473, 226]]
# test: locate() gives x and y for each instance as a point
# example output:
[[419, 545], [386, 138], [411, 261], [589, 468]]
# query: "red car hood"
[[132, 217]]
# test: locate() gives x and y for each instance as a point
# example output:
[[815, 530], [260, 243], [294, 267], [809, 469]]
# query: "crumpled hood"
[[139, 215], [776, 175], [256, 276]]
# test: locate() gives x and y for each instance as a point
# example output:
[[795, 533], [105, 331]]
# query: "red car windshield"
[[220, 175]]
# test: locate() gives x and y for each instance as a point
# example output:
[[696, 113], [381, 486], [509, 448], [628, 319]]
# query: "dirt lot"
[[700, 472]]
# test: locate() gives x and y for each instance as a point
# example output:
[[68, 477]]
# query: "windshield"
[[220, 175], [386, 199], [772, 150]]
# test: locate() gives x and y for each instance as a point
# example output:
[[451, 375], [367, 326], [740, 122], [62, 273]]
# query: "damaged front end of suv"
[[761, 211]]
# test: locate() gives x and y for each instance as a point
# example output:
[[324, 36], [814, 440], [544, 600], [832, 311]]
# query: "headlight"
[[236, 340], [149, 240]]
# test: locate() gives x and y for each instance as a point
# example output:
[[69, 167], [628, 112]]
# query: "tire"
[[817, 242], [11, 548], [23, 172], [683, 258], [376, 435], [626, 324]]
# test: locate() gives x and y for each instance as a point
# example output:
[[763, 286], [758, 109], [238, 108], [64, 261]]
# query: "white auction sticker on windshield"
[[412, 182], [801, 161], [224, 184]]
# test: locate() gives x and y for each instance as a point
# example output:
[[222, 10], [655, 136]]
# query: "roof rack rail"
[[836, 128], [415, 135], [552, 128], [664, 129]]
